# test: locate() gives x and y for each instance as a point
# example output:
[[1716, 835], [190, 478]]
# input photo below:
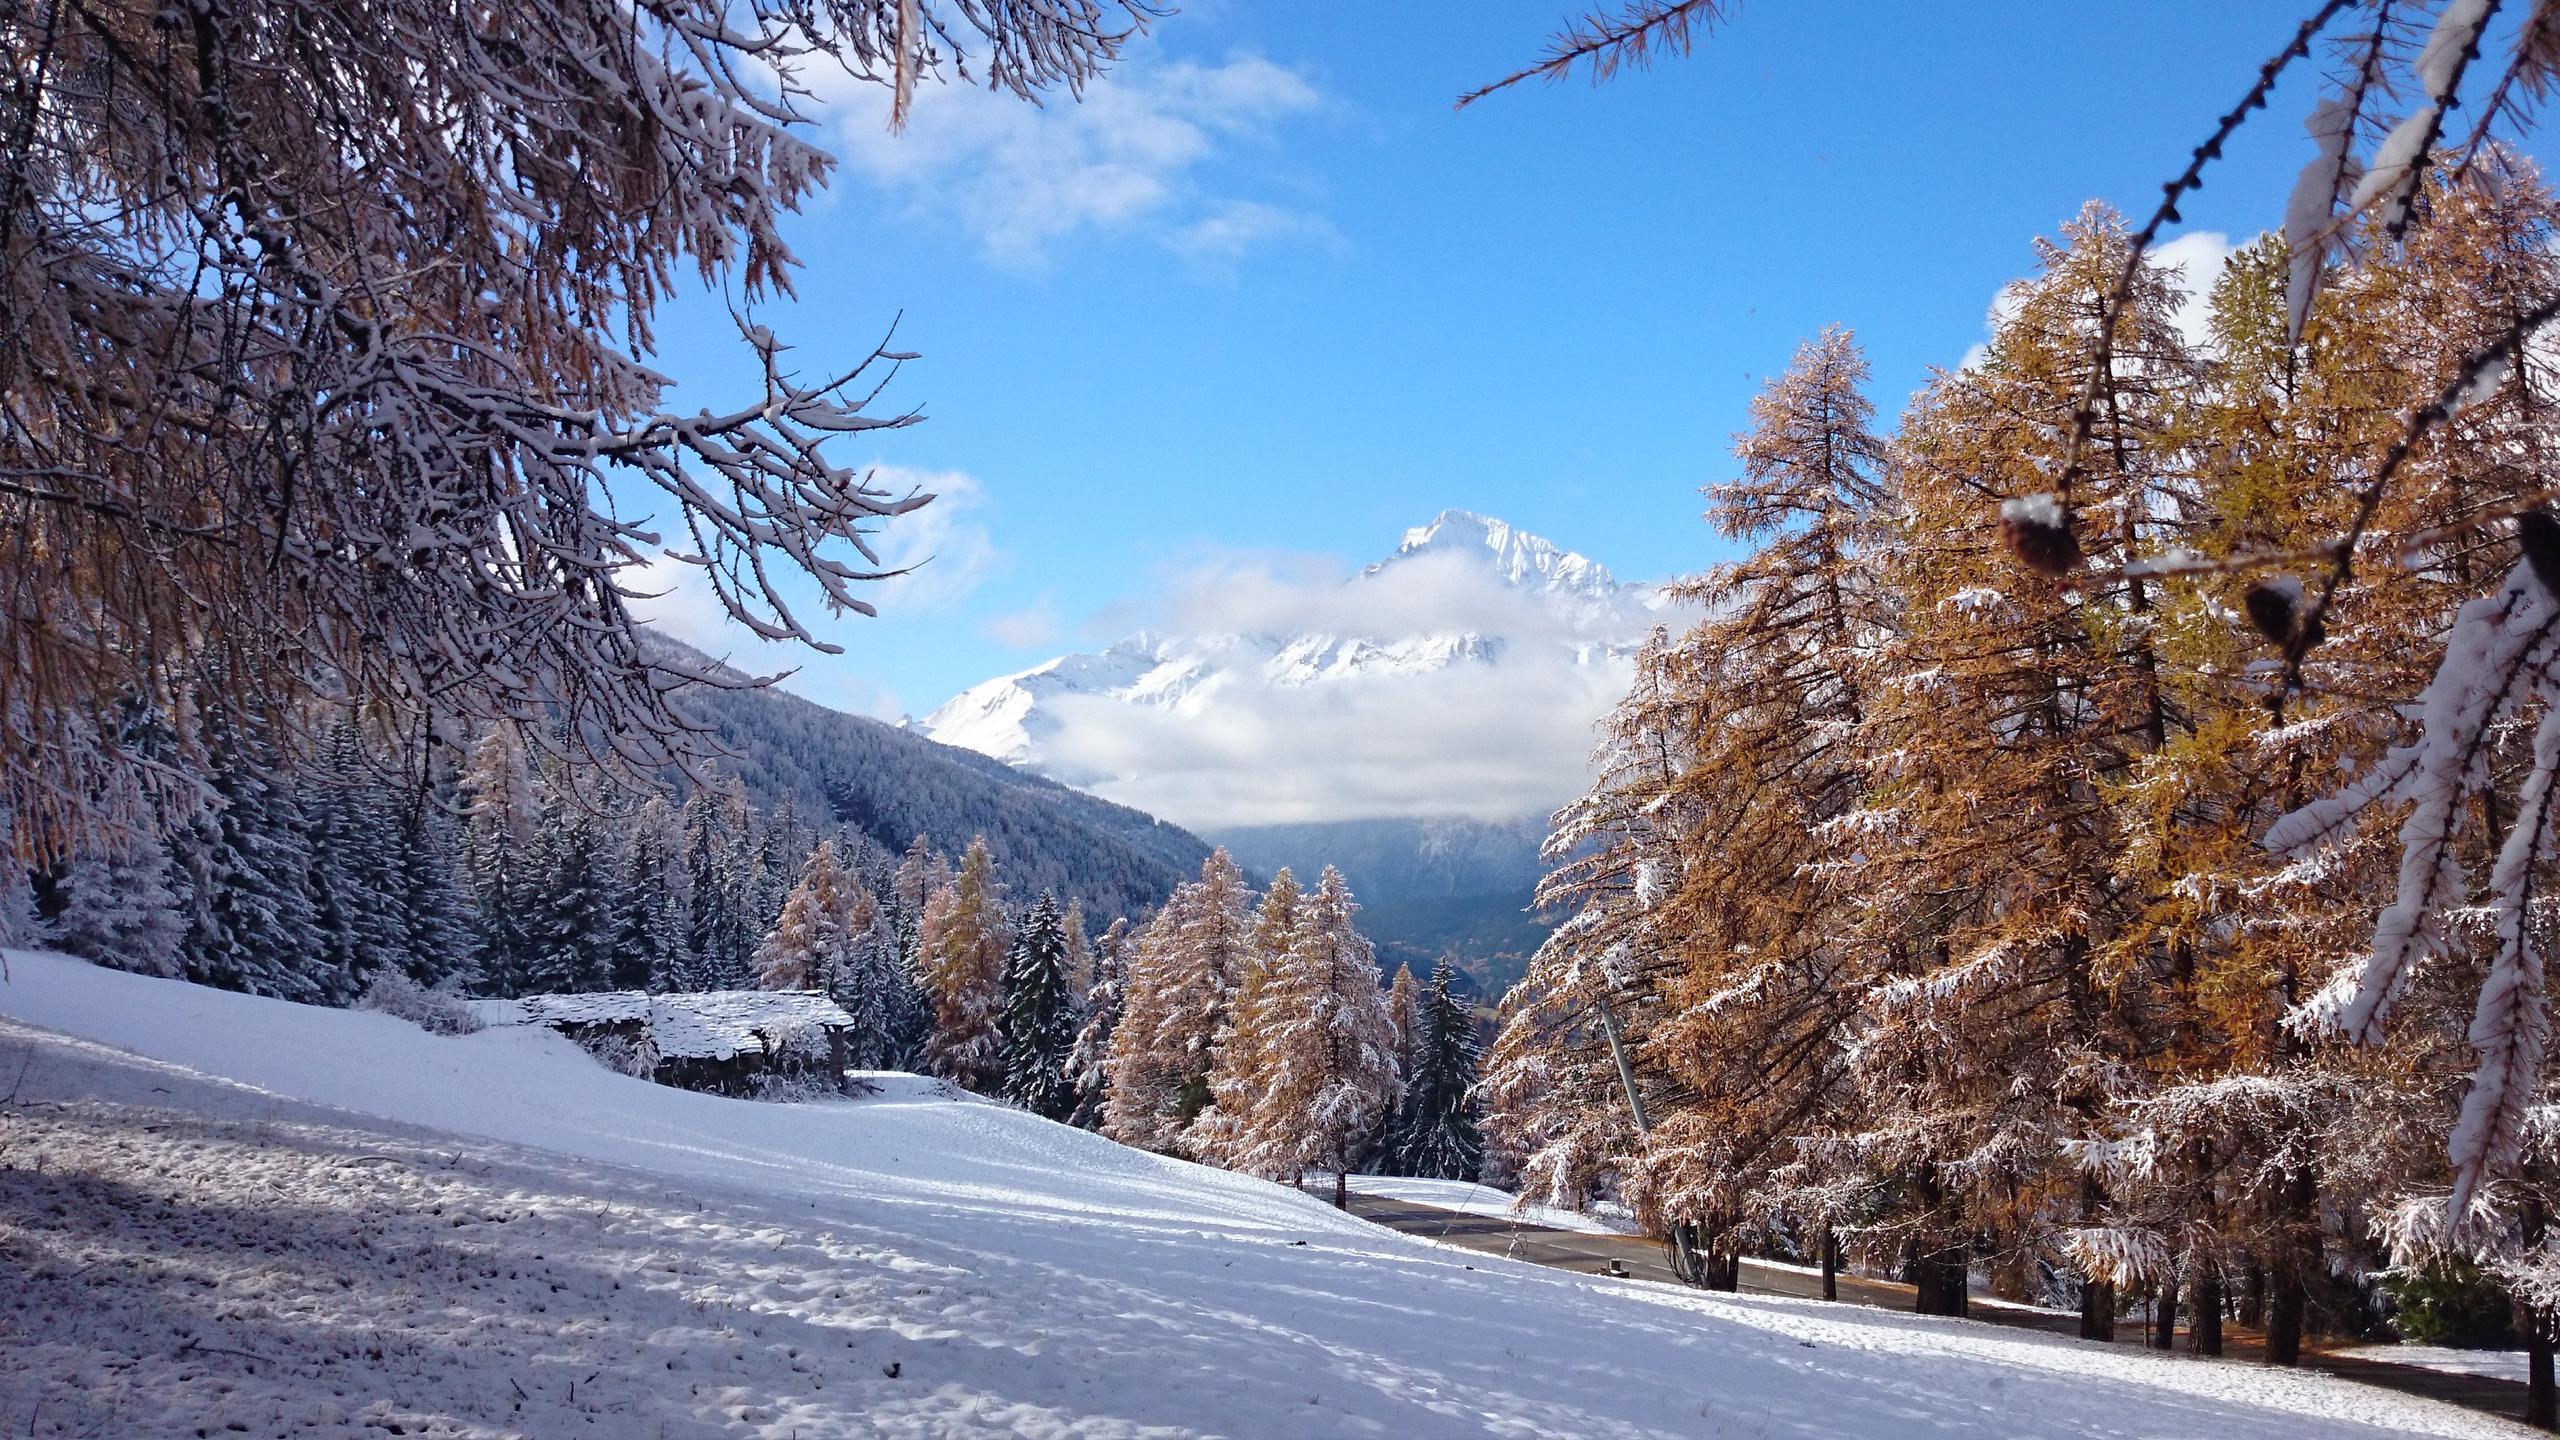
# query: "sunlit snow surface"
[[1467, 1197], [295, 1221], [2495, 1364]]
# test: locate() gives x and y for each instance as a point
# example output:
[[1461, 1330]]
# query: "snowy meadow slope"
[[221, 1211]]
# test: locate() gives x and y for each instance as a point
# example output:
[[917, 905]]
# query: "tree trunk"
[[2284, 1316], [2097, 1310], [1341, 1187], [1685, 1260], [1719, 1268], [1939, 1276], [2206, 1331], [2296, 1259], [2253, 1295], [1830, 1264], [2164, 1325], [2541, 1404], [1724, 1272]]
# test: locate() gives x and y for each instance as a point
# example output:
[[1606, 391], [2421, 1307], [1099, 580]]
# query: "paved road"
[[1643, 1260]]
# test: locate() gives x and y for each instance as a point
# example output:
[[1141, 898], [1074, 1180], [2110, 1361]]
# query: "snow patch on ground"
[[2495, 1364], [1470, 1198], [299, 1222]]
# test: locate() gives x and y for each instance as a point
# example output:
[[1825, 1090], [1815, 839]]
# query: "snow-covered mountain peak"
[[1520, 558], [1482, 597]]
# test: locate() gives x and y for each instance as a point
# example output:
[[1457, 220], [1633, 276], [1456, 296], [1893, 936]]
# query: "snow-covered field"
[[1467, 1197], [222, 1215]]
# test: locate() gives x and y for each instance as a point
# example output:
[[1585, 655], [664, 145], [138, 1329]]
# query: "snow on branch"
[[2498, 655], [2391, 180], [2510, 1024], [2501, 657], [2094, 387], [323, 356], [2308, 226]]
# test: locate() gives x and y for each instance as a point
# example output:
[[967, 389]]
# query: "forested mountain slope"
[[1427, 887], [894, 784]]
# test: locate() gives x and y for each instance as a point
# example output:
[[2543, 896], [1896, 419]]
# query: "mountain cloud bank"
[[1461, 677]]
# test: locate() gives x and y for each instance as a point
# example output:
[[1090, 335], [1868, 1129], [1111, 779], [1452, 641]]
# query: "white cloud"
[[947, 548], [2197, 256], [677, 599], [1236, 226], [1033, 627], [1491, 741], [1474, 741], [1127, 156]]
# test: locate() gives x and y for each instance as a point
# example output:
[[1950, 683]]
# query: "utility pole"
[[1684, 1257]]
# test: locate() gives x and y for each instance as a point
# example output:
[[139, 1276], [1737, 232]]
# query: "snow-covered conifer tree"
[[1039, 1015], [499, 817], [1404, 1008], [355, 893], [439, 943], [783, 846], [20, 925], [1240, 1075], [653, 904], [117, 909], [921, 871], [719, 856], [811, 944], [1332, 1047], [1088, 1064], [245, 862], [1180, 979], [574, 885], [1438, 1136], [1079, 954], [920, 874], [877, 989], [963, 965]]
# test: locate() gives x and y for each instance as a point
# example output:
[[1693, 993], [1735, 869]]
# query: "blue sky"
[[1265, 294]]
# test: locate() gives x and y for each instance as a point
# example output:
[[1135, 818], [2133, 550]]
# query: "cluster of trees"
[[300, 879], [304, 876], [1937, 899], [1246, 1032], [1253, 1033]]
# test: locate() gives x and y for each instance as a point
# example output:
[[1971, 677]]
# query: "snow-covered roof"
[[703, 1025]]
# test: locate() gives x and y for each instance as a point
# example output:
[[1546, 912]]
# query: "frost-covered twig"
[[323, 339], [1608, 41], [2084, 410], [2400, 165], [2491, 359], [2498, 649], [2511, 1024]]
